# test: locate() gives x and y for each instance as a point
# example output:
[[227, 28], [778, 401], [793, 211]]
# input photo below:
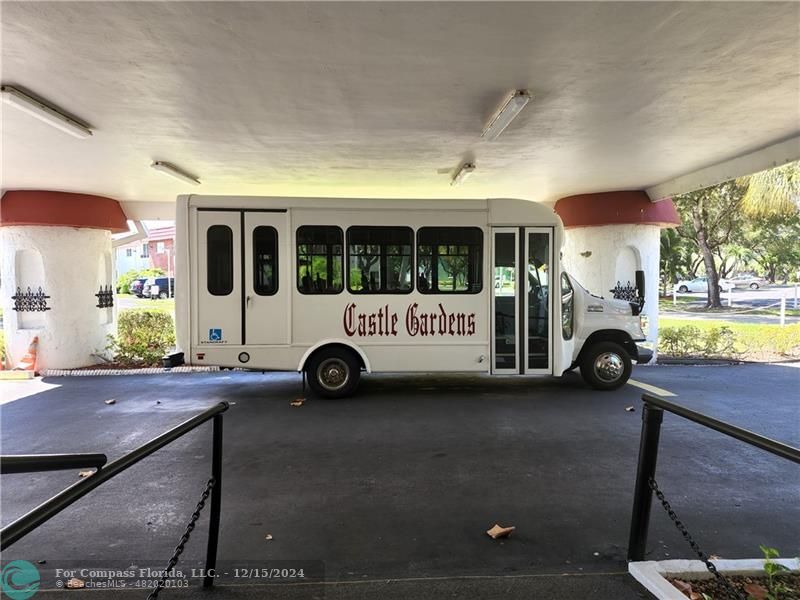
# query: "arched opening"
[[29, 281]]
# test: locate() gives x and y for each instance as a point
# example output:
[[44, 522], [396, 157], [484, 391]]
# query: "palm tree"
[[774, 191]]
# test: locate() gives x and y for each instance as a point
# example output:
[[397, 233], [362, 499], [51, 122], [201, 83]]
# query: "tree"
[[771, 192], [677, 258], [774, 241], [710, 217], [753, 219]]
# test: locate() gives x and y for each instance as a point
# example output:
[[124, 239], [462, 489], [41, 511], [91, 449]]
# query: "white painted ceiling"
[[387, 99]]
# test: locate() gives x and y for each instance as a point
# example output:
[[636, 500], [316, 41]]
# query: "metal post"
[[795, 296], [730, 296], [674, 295], [214, 509], [783, 310], [646, 469]]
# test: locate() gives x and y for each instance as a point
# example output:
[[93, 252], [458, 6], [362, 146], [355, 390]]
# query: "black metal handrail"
[[12, 532], [34, 463], [652, 415]]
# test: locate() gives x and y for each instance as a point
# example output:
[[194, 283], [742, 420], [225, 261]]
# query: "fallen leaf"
[[85, 473], [713, 557], [498, 531], [630, 409], [268, 537], [111, 401], [298, 402], [695, 596], [684, 587], [75, 584], [757, 591]]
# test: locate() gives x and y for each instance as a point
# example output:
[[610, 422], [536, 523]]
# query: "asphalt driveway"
[[402, 481]]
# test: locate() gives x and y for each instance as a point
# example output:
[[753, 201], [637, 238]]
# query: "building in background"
[[161, 248], [156, 251], [132, 257]]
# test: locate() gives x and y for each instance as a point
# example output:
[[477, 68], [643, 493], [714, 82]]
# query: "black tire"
[[163, 295], [754, 286], [333, 373], [600, 363], [683, 289]]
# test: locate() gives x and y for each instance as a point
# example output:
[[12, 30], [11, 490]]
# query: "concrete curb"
[[653, 574], [101, 372]]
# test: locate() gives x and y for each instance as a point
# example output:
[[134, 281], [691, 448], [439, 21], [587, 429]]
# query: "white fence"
[[728, 295]]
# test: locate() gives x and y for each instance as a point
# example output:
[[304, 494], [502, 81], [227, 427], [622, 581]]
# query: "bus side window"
[[319, 259], [219, 260], [265, 260], [379, 260], [450, 260]]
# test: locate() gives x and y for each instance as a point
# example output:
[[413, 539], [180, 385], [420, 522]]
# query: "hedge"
[[143, 336]]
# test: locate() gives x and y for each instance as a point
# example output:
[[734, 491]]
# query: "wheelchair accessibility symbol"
[[215, 335]]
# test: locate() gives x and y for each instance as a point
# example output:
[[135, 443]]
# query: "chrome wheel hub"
[[333, 374], [608, 366]]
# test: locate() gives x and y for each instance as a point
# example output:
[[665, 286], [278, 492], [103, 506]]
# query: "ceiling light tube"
[[465, 171], [509, 109], [48, 114], [174, 171]]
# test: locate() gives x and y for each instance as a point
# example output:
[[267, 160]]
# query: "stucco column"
[[611, 235], [59, 242]]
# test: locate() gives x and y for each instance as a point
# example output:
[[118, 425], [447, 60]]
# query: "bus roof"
[[502, 211]]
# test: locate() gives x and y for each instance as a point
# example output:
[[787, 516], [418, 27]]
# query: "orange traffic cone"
[[28, 362]]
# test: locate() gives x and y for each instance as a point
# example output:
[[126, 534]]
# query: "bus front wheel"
[[606, 366], [333, 373]]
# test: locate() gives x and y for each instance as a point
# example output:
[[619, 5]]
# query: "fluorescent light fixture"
[[13, 97], [169, 169], [509, 109], [464, 172]]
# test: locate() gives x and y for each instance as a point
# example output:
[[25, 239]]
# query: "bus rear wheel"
[[333, 373], [606, 366]]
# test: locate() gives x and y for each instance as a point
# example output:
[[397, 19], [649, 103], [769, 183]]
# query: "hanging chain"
[[731, 592], [184, 538]]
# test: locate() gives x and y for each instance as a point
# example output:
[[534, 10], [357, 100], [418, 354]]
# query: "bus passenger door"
[[267, 280], [522, 258], [538, 253], [505, 300], [219, 282]]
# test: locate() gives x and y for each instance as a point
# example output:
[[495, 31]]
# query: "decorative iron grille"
[[627, 292], [30, 301], [105, 297]]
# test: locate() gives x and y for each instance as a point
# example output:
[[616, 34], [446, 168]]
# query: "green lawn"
[[758, 341], [167, 305]]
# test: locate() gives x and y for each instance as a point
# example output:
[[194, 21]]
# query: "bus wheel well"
[[334, 346], [610, 335]]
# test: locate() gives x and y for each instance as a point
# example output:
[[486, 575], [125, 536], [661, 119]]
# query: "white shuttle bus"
[[334, 287]]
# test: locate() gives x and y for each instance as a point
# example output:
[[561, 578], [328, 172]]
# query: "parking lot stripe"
[[650, 388]]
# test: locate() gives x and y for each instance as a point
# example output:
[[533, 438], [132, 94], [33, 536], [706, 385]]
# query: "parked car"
[[159, 287], [750, 281], [137, 285], [700, 284]]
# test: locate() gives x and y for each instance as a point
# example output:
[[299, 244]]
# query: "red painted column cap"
[[616, 208], [62, 209]]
